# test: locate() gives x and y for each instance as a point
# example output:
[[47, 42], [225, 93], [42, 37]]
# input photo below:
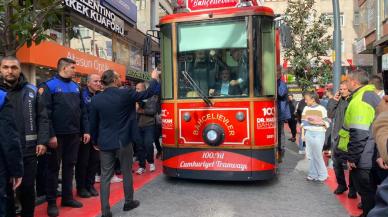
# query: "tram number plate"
[[213, 155]]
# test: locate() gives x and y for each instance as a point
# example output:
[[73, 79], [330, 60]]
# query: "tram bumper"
[[214, 164]]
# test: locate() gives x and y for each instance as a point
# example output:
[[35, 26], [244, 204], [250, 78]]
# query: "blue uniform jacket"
[[65, 108]]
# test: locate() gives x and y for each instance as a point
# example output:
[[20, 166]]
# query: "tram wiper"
[[196, 88]]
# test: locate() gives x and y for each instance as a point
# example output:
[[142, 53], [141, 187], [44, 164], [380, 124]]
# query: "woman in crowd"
[[314, 125]]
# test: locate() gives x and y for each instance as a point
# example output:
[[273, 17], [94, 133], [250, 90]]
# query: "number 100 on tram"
[[219, 91]]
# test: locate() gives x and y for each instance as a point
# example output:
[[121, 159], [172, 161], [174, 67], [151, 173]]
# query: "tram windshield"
[[215, 55]]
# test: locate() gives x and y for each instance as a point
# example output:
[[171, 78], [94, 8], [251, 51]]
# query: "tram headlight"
[[240, 116], [187, 116], [213, 134]]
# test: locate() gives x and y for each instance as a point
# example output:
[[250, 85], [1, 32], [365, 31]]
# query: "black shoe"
[[352, 194], [131, 205], [107, 215], [359, 205], [362, 215], [158, 155], [83, 193], [72, 203], [340, 189], [52, 210], [93, 192]]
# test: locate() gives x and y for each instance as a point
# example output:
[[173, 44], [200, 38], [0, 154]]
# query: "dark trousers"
[[107, 160], [338, 165], [281, 136], [41, 175], [158, 133], [292, 124], [363, 181], [4, 182], [26, 191], [87, 166], [146, 147], [67, 151]]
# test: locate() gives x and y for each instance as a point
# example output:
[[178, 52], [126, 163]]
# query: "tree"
[[310, 43], [25, 21]]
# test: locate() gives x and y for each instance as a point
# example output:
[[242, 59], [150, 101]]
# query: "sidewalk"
[[91, 206], [349, 204]]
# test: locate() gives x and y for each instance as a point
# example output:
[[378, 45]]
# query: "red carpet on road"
[[91, 206], [349, 204]]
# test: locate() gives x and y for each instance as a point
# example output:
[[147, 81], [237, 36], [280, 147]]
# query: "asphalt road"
[[288, 195]]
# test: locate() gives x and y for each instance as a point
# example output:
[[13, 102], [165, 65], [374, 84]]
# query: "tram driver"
[[224, 87]]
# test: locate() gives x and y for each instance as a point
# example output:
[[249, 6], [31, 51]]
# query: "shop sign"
[[138, 75], [384, 63], [47, 54], [127, 8], [98, 13], [195, 5]]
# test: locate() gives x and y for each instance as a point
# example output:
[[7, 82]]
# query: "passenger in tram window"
[[202, 71], [314, 125], [223, 87], [242, 79]]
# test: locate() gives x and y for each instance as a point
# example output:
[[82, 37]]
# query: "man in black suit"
[[112, 124], [224, 88]]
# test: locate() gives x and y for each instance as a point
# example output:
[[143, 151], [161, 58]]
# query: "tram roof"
[[216, 13]]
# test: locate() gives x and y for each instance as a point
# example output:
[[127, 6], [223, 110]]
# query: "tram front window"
[[215, 56]]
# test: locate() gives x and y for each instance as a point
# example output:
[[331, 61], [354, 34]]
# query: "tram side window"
[[214, 56], [264, 57], [166, 46]]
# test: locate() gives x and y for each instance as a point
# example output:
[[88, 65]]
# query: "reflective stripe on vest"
[[358, 115]]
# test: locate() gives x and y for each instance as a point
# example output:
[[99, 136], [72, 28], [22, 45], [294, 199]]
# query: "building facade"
[[97, 34], [349, 26], [373, 32]]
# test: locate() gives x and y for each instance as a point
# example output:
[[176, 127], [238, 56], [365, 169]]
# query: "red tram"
[[219, 91]]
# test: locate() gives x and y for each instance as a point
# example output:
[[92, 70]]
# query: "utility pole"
[[337, 45]]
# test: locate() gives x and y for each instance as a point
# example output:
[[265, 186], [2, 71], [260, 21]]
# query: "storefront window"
[[91, 41], [43, 74], [103, 46], [82, 39], [122, 52], [136, 58]]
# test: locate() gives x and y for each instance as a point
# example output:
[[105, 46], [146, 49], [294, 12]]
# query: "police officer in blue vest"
[[11, 163], [88, 157], [68, 119], [32, 125]]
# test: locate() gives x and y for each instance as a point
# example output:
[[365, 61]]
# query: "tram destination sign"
[[198, 5], [95, 11]]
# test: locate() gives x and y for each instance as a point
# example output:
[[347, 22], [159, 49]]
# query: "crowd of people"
[[346, 126], [57, 127]]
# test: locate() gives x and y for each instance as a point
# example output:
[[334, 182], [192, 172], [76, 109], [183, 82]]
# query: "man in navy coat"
[[112, 124]]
